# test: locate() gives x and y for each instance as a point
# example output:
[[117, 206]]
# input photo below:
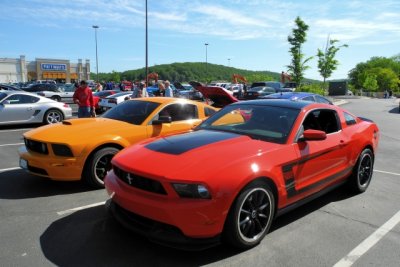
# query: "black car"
[[38, 87], [258, 91], [5, 87]]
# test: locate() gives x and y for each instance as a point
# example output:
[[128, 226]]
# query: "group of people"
[[83, 95]]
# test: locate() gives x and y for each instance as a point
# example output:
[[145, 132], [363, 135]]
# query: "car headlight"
[[61, 150], [192, 190]]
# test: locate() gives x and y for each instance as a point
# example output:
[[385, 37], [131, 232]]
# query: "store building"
[[60, 70]]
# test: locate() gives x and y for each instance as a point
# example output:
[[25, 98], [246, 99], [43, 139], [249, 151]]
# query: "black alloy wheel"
[[362, 172], [98, 165], [250, 216]]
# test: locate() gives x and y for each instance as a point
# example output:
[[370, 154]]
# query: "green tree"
[[298, 63], [370, 83], [326, 59]]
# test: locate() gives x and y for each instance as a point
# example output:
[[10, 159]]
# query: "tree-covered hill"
[[191, 71]]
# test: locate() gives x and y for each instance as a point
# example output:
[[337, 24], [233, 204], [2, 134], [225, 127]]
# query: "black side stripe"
[[289, 178]]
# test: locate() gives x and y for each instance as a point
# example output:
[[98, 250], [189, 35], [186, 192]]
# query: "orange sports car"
[[82, 148]]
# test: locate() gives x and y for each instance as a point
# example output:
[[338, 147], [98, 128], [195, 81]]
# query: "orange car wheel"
[[97, 166], [250, 216]]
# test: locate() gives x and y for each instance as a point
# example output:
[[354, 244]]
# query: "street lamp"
[[229, 62], [147, 54], [206, 44], [95, 27]]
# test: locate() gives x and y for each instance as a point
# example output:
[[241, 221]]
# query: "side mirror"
[[162, 119], [313, 135], [5, 102]]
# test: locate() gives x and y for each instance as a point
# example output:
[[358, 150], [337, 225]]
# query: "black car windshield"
[[2, 96], [263, 122], [132, 111]]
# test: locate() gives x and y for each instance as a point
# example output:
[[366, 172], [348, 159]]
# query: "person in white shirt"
[[168, 90]]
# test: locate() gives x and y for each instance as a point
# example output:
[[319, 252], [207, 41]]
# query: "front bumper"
[[55, 168], [157, 232], [167, 219]]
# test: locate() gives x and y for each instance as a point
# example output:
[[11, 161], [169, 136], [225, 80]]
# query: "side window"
[[322, 100], [27, 99], [208, 111], [14, 99], [323, 120], [308, 98], [350, 120], [179, 112]]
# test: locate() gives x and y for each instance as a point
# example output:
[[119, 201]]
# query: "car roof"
[[290, 95], [276, 103]]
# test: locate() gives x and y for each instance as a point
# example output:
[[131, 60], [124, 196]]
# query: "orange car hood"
[[79, 130]]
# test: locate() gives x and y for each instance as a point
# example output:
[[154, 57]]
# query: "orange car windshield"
[[132, 111]]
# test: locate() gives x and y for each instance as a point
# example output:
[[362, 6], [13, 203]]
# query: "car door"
[[184, 117], [320, 162], [17, 108]]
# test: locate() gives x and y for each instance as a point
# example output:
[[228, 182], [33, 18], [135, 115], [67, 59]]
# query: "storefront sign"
[[47, 66]]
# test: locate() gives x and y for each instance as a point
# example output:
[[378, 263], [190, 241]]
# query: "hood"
[[78, 130], [220, 96], [191, 155]]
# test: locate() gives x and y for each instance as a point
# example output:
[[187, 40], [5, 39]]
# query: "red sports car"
[[230, 177]]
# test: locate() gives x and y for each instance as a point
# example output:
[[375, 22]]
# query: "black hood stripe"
[[182, 143]]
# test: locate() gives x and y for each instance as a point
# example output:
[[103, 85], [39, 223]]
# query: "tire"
[[56, 98], [97, 166], [250, 216], [362, 172], [53, 116]]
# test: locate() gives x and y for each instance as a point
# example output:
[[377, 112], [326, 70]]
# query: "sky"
[[244, 34]]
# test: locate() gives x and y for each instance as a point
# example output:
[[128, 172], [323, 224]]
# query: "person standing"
[[168, 90], [99, 87], [83, 97]]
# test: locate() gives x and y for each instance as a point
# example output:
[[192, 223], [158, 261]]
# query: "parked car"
[[82, 148], [304, 96], [230, 177], [113, 100], [276, 85], [100, 95], [19, 107], [258, 92], [39, 87], [63, 93], [6, 87]]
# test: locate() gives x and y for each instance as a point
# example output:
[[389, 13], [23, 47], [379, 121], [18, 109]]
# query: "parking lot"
[[47, 223]]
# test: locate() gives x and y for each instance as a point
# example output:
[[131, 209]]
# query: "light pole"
[[206, 44], [229, 62], [147, 55], [95, 27]]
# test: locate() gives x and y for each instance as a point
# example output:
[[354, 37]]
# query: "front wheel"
[[362, 172], [53, 116], [98, 165], [250, 217]]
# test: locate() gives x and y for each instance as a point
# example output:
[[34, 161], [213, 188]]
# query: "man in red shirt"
[[84, 98]]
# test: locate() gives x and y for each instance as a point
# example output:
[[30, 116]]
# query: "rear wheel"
[[98, 165], [56, 98], [362, 172], [250, 217], [53, 116]]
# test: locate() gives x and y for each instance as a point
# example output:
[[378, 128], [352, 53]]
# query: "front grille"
[[140, 182], [35, 146]]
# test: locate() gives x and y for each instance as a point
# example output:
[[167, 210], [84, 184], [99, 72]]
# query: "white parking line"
[[80, 208], [9, 169], [369, 242], [392, 173], [15, 144]]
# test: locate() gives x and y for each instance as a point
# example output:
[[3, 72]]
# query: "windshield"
[[2, 96], [132, 111], [268, 123]]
